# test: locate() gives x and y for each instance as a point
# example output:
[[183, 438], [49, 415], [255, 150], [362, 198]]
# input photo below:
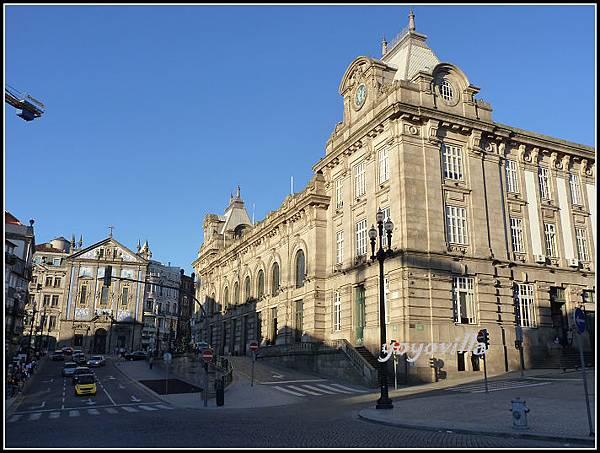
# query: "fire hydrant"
[[519, 414]]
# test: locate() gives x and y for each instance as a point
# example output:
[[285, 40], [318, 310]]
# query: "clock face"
[[361, 94]]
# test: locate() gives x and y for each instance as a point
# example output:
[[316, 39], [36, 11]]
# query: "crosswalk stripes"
[[52, 415], [316, 389]]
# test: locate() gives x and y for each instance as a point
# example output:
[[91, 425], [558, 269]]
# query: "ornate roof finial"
[[411, 20], [80, 240], [139, 246], [238, 192], [110, 233], [384, 45]]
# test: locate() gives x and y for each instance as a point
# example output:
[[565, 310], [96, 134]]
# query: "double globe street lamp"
[[384, 402]]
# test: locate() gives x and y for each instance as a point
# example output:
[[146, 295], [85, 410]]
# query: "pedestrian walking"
[[150, 360]]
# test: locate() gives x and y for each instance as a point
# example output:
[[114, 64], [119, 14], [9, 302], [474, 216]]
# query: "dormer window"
[[446, 90]]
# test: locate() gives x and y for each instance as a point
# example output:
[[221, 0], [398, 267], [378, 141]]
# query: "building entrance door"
[[100, 341], [359, 319]]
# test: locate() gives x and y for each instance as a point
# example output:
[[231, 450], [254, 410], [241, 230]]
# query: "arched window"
[[275, 280], [300, 267], [236, 294], [226, 298], [261, 284], [247, 289]]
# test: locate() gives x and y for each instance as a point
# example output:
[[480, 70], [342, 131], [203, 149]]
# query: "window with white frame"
[[56, 261], [446, 90], [582, 247], [337, 311], [544, 177], [453, 162], [516, 232], [575, 189], [361, 238], [55, 300], [359, 180], [456, 223], [550, 235], [464, 300], [339, 193], [386, 215], [384, 172], [525, 305], [512, 176], [339, 247]]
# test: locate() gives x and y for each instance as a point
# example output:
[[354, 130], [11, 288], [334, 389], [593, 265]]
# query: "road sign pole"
[[253, 360], [206, 384], [395, 372], [580, 324]]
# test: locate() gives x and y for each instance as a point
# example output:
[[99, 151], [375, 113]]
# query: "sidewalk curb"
[[11, 404], [512, 434]]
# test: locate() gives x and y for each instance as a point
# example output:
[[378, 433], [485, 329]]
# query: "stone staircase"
[[565, 359], [372, 360]]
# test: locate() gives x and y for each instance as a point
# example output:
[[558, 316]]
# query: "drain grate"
[[161, 386]]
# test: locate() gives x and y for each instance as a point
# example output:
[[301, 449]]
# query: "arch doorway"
[[100, 341]]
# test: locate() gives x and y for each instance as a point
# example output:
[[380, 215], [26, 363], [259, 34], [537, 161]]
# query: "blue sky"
[[156, 113]]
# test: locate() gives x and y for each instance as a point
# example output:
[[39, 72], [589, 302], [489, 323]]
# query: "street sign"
[[579, 320], [167, 357], [207, 355], [254, 346]]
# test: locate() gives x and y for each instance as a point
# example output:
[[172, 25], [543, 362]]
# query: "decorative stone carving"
[[82, 313], [432, 129], [411, 129], [555, 161]]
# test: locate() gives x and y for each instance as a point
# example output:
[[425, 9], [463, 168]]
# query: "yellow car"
[[86, 385]]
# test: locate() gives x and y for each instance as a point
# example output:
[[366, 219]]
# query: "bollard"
[[519, 414], [220, 391]]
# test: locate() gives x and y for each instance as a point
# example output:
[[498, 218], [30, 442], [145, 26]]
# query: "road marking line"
[[319, 389], [14, 418], [74, 413], [288, 391], [162, 406], [111, 400], [348, 388], [289, 382], [300, 389], [129, 409], [93, 412], [54, 414], [110, 410], [35, 416], [148, 408], [333, 388], [510, 388]]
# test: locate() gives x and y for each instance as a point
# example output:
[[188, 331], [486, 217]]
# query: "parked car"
[[67, 350], [77, 351], [57, 355], [69, 368], [96, 360], [136, 355], [85, 385], [79, 371], [79, 358]]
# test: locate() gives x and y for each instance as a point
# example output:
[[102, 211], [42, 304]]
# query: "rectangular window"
[[339, 193], [582, 247], [49, 281], [359, 180], [57, 282], [456, 223], [550, 235], [83, 295], [34, 279], [101, 253], [575, 189], [384, 173], [104, 296], [299, 320], [46, 300], [512, 177], [125, 295], [52, 323], [516, 231], [339, 247], [55, 300], [544, 177], [588, 297], [386, 215], [56, 261], [525, 305], [453, 164], [337, 311], [464, 300], [361, 238]]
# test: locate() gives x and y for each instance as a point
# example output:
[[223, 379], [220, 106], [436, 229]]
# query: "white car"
[[96, 360]]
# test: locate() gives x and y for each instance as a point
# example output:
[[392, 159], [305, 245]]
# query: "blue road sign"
[[580, 320]]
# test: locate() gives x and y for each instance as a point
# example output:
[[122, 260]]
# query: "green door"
[[360, 314]]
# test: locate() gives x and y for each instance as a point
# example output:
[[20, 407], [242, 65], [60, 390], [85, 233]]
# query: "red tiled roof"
[[9, 218], [47, 248]]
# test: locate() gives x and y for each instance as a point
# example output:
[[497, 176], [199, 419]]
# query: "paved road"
[[312, 422]]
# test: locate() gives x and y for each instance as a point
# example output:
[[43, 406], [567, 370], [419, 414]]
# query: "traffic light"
[[432, 362], [107, 275], [486, 339]]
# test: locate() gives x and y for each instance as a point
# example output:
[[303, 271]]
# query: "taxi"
[[86, 385]]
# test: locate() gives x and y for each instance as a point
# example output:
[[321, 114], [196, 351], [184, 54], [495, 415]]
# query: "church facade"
[[494, 228]]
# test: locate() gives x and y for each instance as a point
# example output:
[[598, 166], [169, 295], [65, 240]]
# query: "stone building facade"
[[494, 226]]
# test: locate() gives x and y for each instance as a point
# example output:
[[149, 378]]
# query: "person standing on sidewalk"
[[150, 360]]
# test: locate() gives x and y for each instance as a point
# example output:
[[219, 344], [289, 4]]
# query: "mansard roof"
[[409, 54]]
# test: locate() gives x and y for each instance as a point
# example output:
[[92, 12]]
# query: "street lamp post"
[[40, 330], [384, 402], [31, 329]]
